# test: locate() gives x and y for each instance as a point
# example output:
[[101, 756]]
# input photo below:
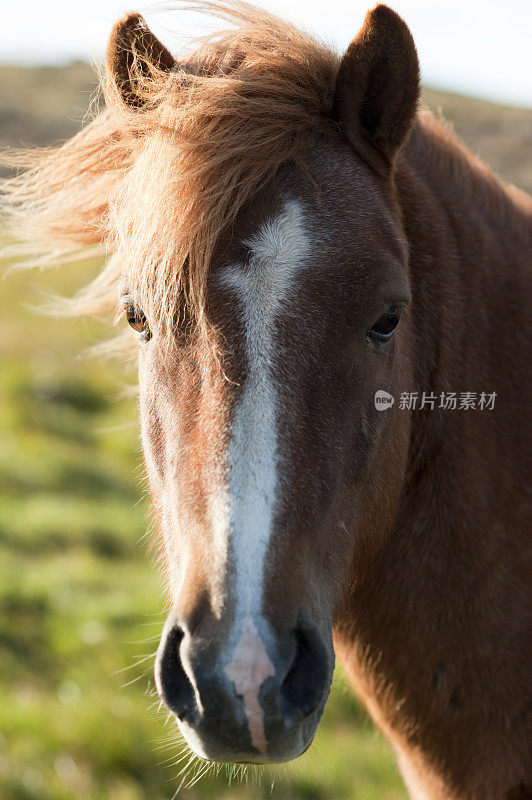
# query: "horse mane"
[[153, 188]]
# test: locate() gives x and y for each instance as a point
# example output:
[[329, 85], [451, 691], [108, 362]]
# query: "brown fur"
[[446, 600], [410, 528]]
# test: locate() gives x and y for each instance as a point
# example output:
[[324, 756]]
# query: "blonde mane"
[[154, 188]]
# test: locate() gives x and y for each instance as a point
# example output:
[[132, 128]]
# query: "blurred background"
[[80, 599]]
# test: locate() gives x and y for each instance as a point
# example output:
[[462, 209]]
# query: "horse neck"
[[470, 249], [470, 240]]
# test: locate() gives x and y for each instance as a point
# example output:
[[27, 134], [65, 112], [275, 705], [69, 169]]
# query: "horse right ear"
[[377, 88], [133, 53]]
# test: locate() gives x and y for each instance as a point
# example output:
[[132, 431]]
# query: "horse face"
[[273, 474]]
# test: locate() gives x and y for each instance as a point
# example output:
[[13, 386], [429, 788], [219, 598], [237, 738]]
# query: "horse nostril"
[[304, 685], [173, 684]]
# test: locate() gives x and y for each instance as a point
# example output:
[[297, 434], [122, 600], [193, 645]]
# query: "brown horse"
[[296, 246]]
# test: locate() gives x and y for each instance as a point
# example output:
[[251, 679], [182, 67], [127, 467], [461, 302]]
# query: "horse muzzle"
[[254, 696]]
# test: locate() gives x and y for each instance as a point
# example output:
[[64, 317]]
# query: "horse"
[[329, 298]]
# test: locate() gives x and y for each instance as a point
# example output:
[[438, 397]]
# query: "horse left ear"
[[377, 88], [132, 53]]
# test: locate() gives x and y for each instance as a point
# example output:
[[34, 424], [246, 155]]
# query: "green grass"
[[80, 599]]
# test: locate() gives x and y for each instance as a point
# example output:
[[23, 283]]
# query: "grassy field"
[[80, 600]]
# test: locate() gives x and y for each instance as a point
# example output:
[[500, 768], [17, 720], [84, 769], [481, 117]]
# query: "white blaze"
[[248, 670], [263, 286]]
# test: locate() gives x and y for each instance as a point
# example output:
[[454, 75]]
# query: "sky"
[[476, 47]]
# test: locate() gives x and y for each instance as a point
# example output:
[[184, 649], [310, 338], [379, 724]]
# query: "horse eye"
[[137, 321], [383, 329]]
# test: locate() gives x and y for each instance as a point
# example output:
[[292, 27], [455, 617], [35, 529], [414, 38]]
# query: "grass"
[[80, 600]]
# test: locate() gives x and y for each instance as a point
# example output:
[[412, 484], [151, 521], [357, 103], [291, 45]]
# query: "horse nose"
[[248, 702]]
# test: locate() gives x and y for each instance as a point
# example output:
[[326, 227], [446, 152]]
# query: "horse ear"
[[132, 53], [377, 88]]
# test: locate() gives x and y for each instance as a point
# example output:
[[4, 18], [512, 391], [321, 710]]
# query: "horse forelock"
[[158, 187]]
